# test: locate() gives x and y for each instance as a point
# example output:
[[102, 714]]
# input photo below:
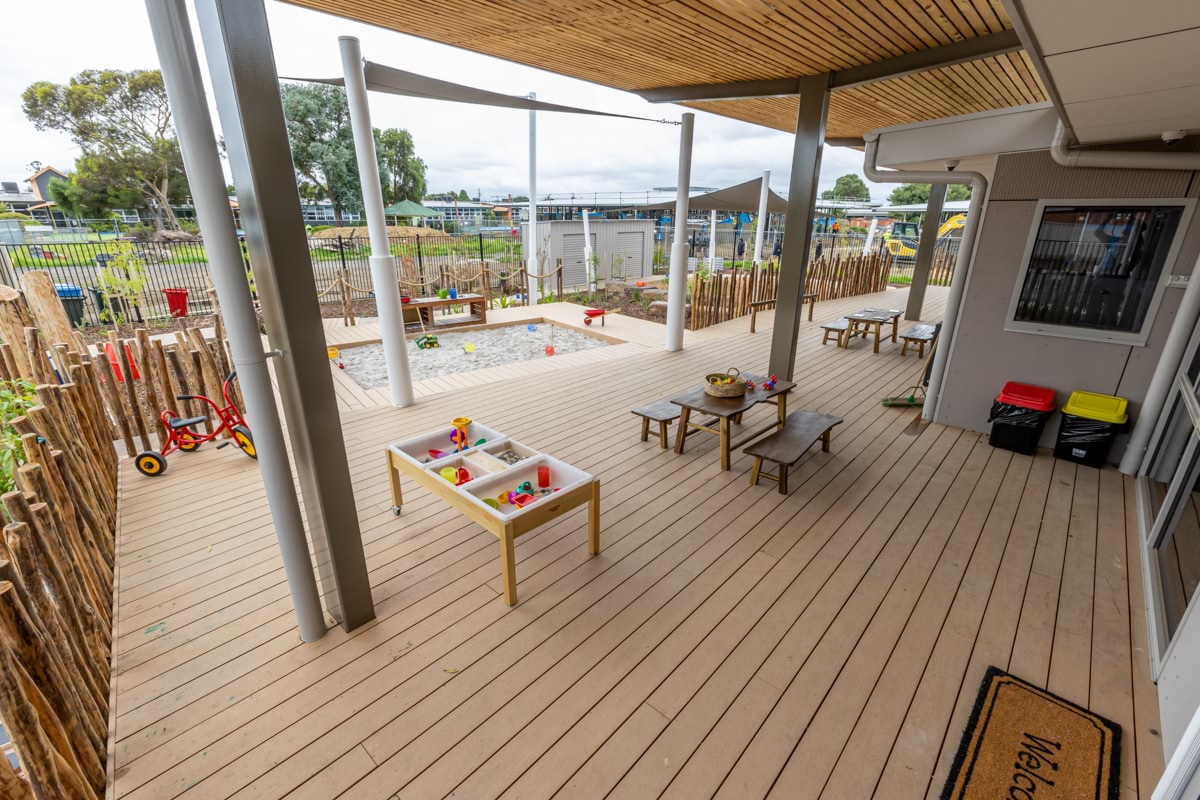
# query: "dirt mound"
[[360, 232]]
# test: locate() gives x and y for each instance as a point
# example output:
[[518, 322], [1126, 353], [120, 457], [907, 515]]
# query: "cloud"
[[465, 147]]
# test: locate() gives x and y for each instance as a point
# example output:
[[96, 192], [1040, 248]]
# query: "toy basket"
[[714, 386]]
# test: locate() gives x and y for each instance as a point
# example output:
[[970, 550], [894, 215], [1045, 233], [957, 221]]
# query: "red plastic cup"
[[543, 477]]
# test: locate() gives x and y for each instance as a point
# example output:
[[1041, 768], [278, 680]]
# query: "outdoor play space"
[[726, 639]]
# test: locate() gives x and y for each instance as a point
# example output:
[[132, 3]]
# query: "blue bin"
[[71, 296]]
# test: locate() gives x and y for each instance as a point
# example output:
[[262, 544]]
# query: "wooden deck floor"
[[727, 642]]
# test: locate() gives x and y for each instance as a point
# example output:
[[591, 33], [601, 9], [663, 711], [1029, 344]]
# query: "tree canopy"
[[122, 123], [848, 187], [318, 124], [913, 193], [400, 171]]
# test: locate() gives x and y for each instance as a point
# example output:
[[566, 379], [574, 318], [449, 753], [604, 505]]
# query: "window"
[[1097, 270]]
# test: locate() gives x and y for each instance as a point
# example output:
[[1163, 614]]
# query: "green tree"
[[463, 196], [318, 123], [848, 187], [400, 171], [122, 123], [907, 194], [99, 185]]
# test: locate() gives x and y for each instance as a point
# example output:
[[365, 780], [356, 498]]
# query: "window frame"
[[1133, 338]]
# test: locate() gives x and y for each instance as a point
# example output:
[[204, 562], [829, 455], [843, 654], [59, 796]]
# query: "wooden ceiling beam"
[[992, 44]]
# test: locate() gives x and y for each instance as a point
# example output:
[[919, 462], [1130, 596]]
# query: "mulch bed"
[[630, 301]]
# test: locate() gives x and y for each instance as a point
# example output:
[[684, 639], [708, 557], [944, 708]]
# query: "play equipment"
[[182, 435], [531, 327], [468, 348], [590, 314], [550, 347], [506, 499], [459, 434], [427, 342], [332, 352]]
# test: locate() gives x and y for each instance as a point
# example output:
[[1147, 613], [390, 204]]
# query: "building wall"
[[631, 240], [985, 355]]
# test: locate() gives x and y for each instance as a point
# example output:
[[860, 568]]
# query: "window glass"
[[1097, 267]]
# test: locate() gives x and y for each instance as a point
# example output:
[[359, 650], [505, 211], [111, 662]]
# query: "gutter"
[[958, 280]]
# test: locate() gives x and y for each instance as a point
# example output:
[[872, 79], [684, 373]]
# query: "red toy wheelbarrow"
[[590, 314], [182, 434]]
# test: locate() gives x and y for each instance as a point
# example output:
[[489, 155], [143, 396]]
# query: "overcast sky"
[[476, 148]]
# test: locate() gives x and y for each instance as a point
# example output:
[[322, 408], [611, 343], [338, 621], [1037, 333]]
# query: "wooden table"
[[727, 411], [506, 527], [868, 320], [425, 306]]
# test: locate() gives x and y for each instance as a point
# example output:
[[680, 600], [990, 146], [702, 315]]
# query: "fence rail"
[[184, 265], [726, 294]]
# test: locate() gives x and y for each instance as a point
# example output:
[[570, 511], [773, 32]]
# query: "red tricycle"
[[182, 435]]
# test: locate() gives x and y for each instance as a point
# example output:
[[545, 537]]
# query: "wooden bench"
[[836, 329], [918, 335], [787, 446], [764, 305], [662, 412]]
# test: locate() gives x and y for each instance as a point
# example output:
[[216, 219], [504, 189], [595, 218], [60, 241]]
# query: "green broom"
[[914, 396]]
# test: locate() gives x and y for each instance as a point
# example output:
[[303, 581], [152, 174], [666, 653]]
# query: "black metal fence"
[[81, 268]]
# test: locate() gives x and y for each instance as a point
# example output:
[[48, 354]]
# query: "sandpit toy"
[[590, 314], [459, 434], [427, 342]]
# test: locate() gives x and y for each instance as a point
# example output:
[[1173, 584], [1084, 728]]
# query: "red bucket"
[[177, 301]]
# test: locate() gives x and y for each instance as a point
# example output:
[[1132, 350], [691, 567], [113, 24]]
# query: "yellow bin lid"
[[1102, 407]]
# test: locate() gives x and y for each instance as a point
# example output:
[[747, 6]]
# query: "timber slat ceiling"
[[641, 44]]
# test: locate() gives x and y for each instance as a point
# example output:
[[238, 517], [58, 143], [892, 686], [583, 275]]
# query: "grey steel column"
[[181, 74], [237, 43], [925, 248], [802, 198]]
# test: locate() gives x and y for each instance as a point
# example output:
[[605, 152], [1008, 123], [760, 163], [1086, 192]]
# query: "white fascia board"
[[984, 134]]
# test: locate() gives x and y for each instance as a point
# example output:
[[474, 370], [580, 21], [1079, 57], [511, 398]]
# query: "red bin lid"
[[1026, 395]]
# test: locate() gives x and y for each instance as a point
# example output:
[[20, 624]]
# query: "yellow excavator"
[[901, 240]]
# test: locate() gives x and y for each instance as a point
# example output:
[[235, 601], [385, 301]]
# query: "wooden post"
[[47, 309], [14, 319]]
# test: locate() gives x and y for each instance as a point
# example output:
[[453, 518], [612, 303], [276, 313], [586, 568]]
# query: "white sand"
[[493, 347]]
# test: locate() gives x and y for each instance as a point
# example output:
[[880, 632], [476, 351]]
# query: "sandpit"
[[493, 347]]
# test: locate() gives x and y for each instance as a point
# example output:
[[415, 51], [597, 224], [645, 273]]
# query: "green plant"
[[121, 281], [660, 256], [504, 301], [635, 295], [16, 398]]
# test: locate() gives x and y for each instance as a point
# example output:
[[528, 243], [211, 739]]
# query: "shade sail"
[[743, 197], [407, 208], [381, 78]]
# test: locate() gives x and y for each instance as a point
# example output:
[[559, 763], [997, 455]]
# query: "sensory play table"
[[491, 477]]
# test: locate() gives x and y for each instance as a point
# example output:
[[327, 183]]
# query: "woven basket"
[[713, 388]]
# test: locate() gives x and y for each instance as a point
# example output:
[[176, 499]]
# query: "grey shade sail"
[[382, 78], [743, 197]]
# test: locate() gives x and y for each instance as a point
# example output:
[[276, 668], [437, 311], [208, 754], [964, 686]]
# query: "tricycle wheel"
[[150, 464], [245, 442], [189, 442]]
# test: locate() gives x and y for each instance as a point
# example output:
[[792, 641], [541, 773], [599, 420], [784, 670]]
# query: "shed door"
[[631, 245], [575, 275]]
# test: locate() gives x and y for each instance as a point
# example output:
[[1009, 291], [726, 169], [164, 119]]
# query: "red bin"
[[177, 301], [1018, 416]]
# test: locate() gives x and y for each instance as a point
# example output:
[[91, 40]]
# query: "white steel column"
[[677, 286], [712, 240], [760, 225], [185, 90], [531, 260], [871, 235], [587, 252], [383, 263]]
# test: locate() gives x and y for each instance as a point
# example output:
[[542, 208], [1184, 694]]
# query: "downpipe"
[[966, 253]]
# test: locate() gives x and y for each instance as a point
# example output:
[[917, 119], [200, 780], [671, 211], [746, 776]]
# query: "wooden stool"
[[837, 328], [918, 335], [786, 446], [662, 412]]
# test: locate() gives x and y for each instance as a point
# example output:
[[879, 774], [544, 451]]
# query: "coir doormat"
[[1027, 744]]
